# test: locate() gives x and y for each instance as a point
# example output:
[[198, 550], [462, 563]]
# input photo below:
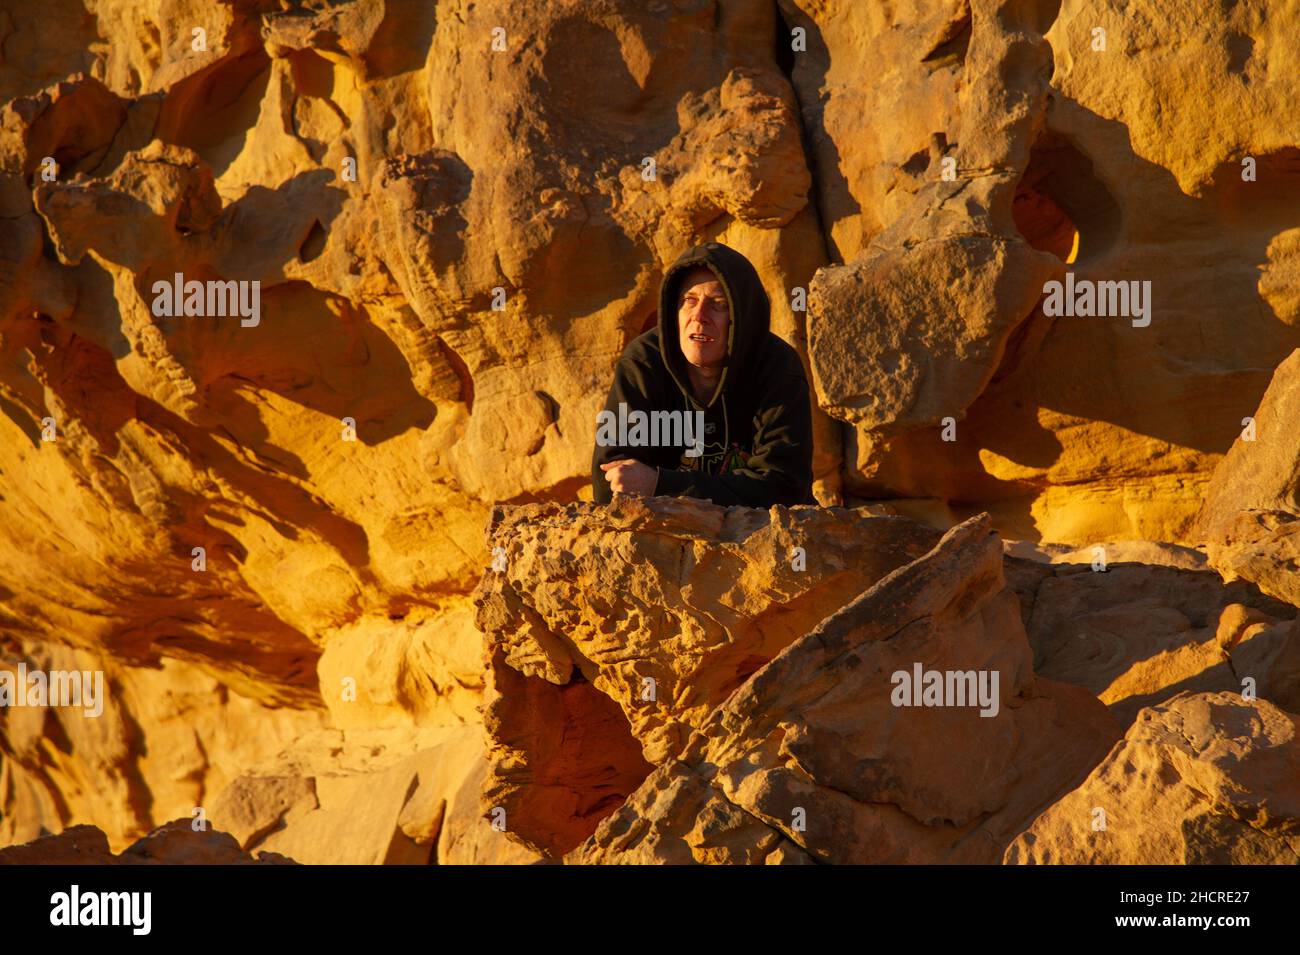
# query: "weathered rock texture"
[[812, 754], [168, 740], [388, 177], [1251, 516], [1203, 778], [933, 299], [367, 798], [177, 843], [639, 712], [268, 535], [1123, 163], [615, 632], [1137, 633]]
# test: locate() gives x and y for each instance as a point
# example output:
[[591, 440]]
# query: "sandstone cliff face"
[[269, 536], [1072, 428]]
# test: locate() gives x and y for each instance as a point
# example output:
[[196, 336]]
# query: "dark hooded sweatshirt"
[[758, 424]]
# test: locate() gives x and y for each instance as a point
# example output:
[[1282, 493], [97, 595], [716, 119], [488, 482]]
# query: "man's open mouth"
[[697, 337]]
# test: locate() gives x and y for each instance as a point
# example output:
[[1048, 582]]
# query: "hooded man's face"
[[703, 317]]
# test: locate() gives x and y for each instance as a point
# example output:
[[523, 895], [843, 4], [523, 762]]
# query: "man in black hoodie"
[[717, 404]]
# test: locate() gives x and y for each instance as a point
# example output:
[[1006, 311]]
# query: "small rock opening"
[[1061, 206], [314, 244]]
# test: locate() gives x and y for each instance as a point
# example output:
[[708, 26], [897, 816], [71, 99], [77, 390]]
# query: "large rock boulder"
[[1070, 428], [819, 755], [912, 330], [615, 631], [1251, 516], [1206, 778]]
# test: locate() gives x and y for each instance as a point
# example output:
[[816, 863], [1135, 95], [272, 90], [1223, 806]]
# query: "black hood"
[[750, 313]]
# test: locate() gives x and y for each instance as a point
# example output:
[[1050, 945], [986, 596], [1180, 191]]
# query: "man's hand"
[[631, 477]]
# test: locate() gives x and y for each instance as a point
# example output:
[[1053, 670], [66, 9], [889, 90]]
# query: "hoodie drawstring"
[[726, 430]]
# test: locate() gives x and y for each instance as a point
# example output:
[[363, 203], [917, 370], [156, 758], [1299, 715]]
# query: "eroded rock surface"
[[390, 180], [1136, 634], [912, 330], [626, 626], [1206, 778], [1251, 517], [375, 797], [1075, 429], [176, 843], [268, 536], [814, 748]]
